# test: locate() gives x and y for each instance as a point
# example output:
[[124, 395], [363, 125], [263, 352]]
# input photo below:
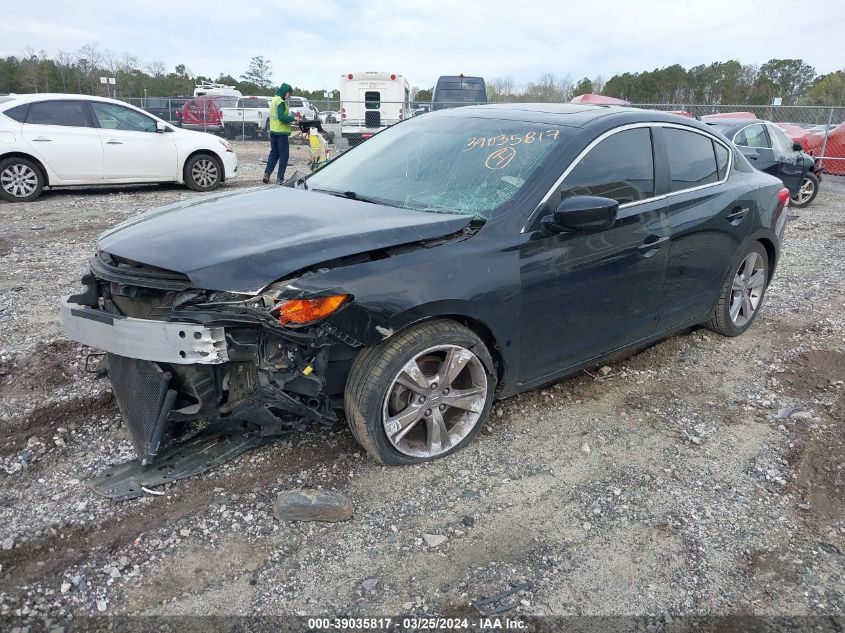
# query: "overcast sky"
[[311, 43]]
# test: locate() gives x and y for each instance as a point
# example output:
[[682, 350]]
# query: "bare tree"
[[90, 59], [64, 63], [598, 84]]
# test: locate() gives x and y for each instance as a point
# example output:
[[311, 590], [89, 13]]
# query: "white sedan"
[[58, 140]]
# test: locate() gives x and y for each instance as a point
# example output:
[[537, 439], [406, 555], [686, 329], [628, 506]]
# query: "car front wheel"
[[421, 394], [203, 172], [806, 193], [742, 294], [20, 180]]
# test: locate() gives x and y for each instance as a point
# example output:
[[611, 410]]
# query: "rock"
[[468, 521], [66, 587], [407, 605], [8, 543], [525, 603], [370, 584], [604, 371], [802, 415], [101, 605], [265, 530], [312, 505], [434, 540], [805, 506], [830, 549], [585, 448]]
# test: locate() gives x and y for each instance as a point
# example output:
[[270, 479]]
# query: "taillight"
[[343, 113], [349, 76], [400, 113], [393, 77], [783, 195]]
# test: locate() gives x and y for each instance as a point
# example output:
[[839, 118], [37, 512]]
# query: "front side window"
[[66, 113], [115, 117], [620, 167], [445, 164], [692, 159], [294, 103], [753, 136]]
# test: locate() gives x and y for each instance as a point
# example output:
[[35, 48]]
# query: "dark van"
[[453, 91]]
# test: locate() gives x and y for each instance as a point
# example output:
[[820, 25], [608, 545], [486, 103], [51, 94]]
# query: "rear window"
[[253, 103], [692, 159], [67, 113], [226, 102]]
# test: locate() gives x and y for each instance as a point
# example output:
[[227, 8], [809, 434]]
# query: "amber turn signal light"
[[307, 310]]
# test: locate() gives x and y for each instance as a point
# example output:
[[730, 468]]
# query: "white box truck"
[[371, 101]]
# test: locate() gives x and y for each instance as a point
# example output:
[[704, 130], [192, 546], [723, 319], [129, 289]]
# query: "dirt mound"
[[48, 366]]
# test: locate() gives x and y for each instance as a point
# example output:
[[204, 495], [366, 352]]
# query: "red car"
[[813, 143], [203, 113]]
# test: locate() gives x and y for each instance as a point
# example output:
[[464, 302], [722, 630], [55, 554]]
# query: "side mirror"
[[161, 126], [582, 213], [797, 147]]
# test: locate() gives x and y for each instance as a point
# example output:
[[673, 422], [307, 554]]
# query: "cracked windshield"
[[443, 164]]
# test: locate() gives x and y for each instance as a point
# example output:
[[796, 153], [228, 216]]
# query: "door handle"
[[752, 156], [650, 246], [41, 139], [114, 142], [737, 214]]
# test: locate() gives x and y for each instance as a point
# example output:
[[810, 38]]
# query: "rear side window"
[[692, 161], [67, 113], [294, 103], [620, 167], [722, 155], [753, 136], [18, 113]]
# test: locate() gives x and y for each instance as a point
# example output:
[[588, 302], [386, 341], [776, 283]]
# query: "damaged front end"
[[176, 353]]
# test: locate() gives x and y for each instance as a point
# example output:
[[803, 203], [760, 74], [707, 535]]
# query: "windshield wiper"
[[351, 195]]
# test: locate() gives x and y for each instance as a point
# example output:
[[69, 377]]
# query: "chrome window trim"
[[622, 128]]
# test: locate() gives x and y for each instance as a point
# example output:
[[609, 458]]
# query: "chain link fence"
[[819, 129]]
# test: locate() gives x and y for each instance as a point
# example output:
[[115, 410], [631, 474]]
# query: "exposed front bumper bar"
[[159, 341]]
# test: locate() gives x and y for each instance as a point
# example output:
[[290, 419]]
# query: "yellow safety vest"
[[276, 126]]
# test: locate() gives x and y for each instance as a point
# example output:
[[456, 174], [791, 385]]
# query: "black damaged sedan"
[[450, 260]]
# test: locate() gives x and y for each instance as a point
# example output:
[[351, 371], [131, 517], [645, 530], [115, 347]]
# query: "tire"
[[743, 291], [374, 399], [806, 193], [203, 172], [21, 180]]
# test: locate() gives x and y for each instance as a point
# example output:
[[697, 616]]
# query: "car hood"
[[243, 241]]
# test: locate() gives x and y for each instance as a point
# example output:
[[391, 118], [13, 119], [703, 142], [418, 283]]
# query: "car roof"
[[18, 99], [567, 114]]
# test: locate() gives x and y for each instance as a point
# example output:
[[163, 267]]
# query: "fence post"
[[827, 130]]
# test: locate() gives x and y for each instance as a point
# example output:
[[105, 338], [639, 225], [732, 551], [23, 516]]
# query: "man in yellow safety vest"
[[280, 120]]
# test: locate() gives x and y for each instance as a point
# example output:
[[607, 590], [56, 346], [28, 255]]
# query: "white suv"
[[55, 140]]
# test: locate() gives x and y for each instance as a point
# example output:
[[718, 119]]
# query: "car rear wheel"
[[742, 295], [20, 180], [421, 394], [203, 172], [806, 193]]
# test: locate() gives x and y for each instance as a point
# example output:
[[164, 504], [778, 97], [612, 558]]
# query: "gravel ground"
[[669, 486]]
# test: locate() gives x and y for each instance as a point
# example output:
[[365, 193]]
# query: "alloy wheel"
[[747, 289], [805, 192], [19, 180], [204, 172], [435, 401]]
